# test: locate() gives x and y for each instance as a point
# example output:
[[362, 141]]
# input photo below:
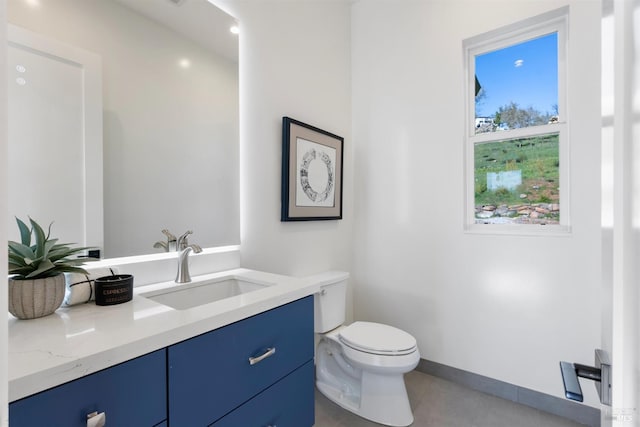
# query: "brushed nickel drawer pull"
[[96, 419], [270, 352]]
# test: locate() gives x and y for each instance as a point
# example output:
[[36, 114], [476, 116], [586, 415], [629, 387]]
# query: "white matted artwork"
[[316, 167], [311, 172]]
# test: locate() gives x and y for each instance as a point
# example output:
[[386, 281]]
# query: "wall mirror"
[[167, 122]]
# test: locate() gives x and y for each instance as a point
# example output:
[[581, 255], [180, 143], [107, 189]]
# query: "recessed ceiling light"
[[235, 29]]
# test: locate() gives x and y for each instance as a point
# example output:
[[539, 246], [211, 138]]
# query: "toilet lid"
[[377, 338]]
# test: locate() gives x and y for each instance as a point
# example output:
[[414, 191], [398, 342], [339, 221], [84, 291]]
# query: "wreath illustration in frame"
[[311, 172]]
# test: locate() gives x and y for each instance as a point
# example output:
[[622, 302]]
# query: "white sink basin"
[[189, 295]]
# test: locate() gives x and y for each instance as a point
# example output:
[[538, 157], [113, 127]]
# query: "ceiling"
[[198, 20]]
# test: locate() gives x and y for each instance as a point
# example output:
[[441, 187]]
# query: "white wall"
[[507, 307], [294, 61], [170, 133]]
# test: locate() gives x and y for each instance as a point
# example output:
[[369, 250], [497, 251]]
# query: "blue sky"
[[526, 73]]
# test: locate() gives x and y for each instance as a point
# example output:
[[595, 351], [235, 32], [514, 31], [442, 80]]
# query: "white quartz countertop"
[[83, 339]]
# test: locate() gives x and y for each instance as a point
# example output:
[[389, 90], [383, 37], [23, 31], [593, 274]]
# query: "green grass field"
[[537, 157]]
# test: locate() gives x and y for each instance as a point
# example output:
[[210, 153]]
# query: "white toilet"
[[361, 367]]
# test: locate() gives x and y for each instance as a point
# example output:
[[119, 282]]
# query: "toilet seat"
[[376, 338]]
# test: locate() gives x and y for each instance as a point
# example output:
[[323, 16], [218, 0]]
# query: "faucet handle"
[[183, 241], [162, 245], [169, 235]]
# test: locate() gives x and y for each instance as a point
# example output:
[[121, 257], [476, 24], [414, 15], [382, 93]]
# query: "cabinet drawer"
[[131, 394], [210, 375], [287, 403]]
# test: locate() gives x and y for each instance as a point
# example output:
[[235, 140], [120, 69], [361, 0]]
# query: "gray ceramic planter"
[[33, 298]]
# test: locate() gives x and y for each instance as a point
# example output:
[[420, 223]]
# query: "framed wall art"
[[311, 172]]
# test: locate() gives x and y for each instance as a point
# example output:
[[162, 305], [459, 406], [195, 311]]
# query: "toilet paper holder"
[[600, 374]]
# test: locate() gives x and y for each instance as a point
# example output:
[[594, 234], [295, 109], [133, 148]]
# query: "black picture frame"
[[311, 172]]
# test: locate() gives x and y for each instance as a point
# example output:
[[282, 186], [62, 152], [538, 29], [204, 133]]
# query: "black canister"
[[114, 289]]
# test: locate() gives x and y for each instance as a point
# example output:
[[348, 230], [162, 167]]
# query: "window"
[[516, 127]]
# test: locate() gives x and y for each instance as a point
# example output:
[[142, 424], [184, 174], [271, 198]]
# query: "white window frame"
[[556, 21]]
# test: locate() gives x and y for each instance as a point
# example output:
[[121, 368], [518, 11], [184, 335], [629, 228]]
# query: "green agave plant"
[[45, 258]]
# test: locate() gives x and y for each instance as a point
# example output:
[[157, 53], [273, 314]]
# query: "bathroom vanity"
[[241, 360]]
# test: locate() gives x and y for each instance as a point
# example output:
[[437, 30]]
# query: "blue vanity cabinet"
[[130, 394], [258, 371], [289, 402], [267, 357]]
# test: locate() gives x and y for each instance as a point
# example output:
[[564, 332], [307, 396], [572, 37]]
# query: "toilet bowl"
[[361, 366]]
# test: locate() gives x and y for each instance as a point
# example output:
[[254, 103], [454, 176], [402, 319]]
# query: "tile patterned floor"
[[440, 403]]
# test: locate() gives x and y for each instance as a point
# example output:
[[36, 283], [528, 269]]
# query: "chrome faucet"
[[183, 275]]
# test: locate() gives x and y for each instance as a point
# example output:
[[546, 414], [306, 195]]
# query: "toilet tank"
[[330, 303]]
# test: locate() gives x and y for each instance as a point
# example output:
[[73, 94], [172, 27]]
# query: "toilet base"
[[382, 399], [376, 394]]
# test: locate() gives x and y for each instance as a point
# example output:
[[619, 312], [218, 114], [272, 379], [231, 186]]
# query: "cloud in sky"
[[518, 63]]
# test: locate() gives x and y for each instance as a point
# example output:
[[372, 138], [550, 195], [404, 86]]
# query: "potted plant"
[[36, 284]]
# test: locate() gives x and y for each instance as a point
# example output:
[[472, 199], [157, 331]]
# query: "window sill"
[[534, 230]]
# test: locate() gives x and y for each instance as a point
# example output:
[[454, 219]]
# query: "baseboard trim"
[[573, 411]]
